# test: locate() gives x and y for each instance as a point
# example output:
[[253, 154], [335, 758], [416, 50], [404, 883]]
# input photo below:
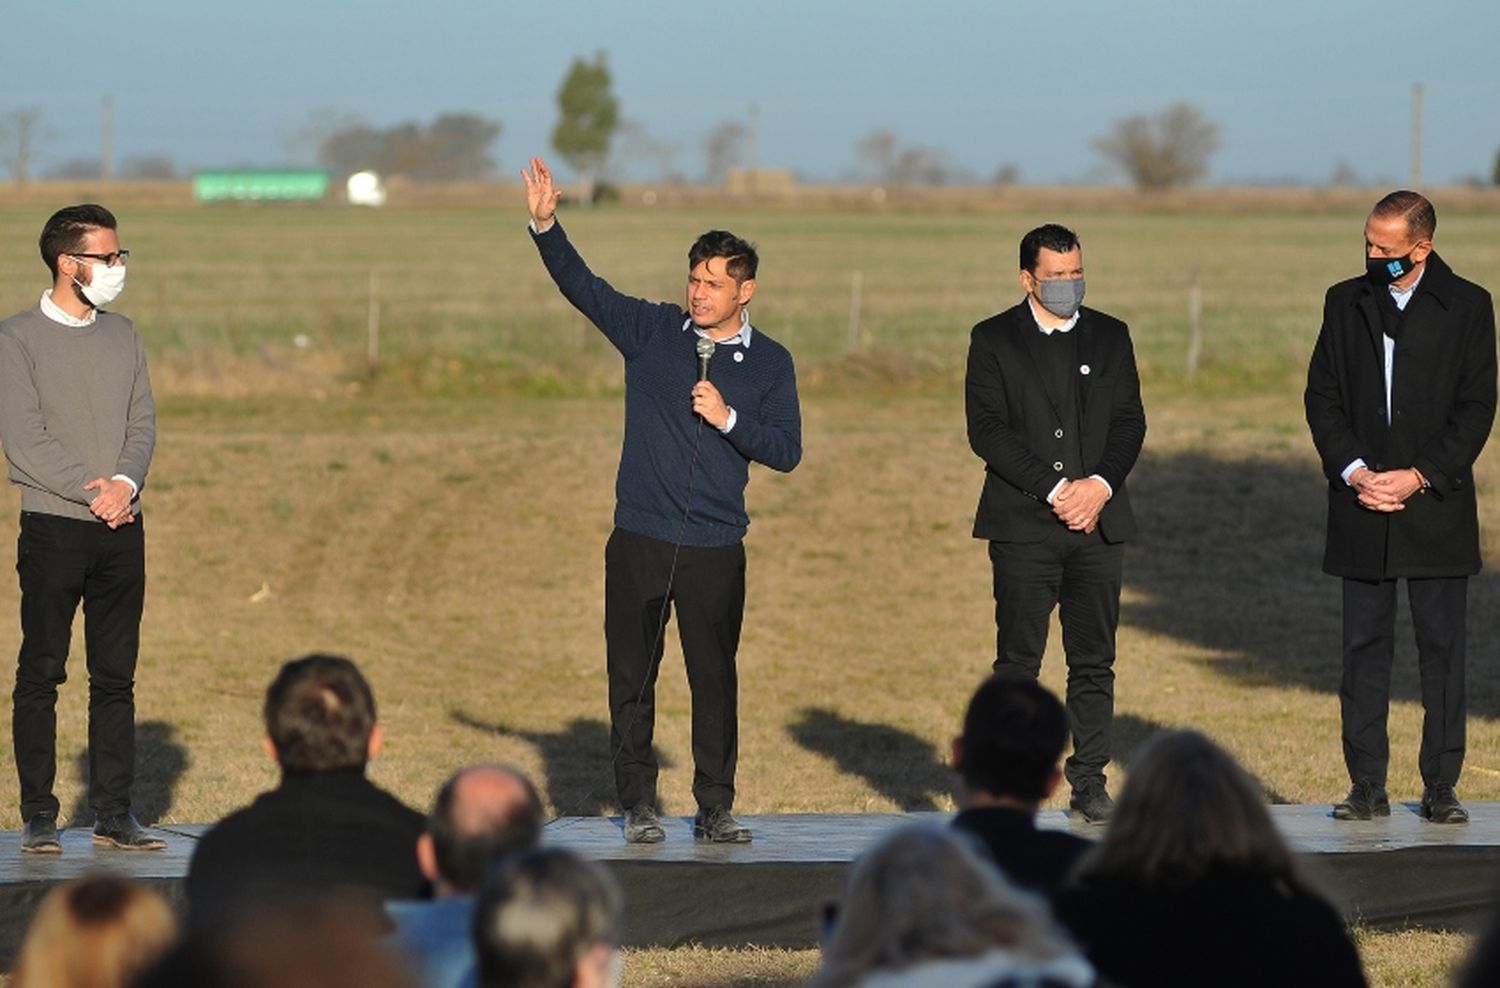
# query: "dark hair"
[[538, 915], [320, 714], [66, 230], [469, 834], [740, 261], [1051, 236], [1188, 810], [1014, 734], [1421, 218]]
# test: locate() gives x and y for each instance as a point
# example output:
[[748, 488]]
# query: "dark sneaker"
[[39, 835], [716, 825], [643, 826], [1441, 805], [125, 833], [1092, 803], [1366, 800]]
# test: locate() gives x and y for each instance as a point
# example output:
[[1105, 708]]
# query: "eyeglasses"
[[119, 256]]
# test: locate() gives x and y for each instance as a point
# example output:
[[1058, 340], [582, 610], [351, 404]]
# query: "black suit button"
[[1058, 433], [1057, 466]]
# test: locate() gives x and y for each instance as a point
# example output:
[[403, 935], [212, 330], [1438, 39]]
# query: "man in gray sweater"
[[78, 426]]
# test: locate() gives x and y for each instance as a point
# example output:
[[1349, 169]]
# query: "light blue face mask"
[[1061, 296]]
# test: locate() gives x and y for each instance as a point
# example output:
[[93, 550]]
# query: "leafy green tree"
[[588, 114]]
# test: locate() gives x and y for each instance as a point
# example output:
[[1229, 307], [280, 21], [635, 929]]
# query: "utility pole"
[[107, 140], [1416, 136]]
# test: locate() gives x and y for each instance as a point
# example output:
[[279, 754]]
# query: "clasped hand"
[[1078, 503], [112, 504], [1387, 490]]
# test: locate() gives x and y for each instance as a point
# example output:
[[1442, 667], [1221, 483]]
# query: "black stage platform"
[[1385, 873]]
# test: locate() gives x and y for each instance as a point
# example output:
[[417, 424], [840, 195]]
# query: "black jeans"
[[708, 592], [1438, 611], [61, 561], [1081, 575]]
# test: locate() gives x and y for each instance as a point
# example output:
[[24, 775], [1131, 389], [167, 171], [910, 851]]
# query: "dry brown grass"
[[443, 524]]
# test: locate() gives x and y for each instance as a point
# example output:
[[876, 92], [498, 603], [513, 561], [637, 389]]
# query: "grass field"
[[441, 520]]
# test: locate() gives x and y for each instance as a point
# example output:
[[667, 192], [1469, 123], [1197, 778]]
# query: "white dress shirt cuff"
[[729, 423], [1349, 470], [134, 487]]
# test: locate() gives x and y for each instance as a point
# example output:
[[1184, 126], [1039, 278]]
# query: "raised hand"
[[541, 197]]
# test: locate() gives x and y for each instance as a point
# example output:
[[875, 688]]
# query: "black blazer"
[[1013, 423], [1442, 407]]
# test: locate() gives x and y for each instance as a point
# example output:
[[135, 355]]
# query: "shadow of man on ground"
[[159, 763], [906, 769], [577, 761]]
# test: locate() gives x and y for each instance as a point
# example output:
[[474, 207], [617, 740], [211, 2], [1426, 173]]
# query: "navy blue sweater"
[[661, 367]]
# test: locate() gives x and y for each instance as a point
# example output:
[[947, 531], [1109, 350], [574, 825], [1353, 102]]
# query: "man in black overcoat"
[[1054, 411], [1400, 399]]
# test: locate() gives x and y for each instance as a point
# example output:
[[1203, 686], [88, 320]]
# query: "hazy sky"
[[1297, 86]]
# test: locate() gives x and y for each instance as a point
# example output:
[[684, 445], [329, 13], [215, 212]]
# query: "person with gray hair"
[[548, 919], [925, 908], [482, 814]]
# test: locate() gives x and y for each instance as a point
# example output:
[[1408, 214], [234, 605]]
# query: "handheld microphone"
[[706, 349]]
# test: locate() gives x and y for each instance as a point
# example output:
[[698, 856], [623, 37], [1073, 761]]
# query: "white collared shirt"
[[55, 312], [1401, 298]]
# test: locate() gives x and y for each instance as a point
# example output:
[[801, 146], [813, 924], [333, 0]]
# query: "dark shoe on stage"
[[643, 826], [1365, 801], [1441, 805], [716, 825], [1093, 803], [125, 833], [39, 835]]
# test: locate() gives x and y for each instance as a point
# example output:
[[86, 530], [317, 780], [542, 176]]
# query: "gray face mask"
[[1061, 296]]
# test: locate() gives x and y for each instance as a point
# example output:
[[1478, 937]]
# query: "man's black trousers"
[[708, 593], [1438, 611], [1080, 575], [61, 561]]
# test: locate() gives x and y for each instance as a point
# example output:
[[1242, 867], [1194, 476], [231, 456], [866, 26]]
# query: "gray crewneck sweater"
[[75, 405]]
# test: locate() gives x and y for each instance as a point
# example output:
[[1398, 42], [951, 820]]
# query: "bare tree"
[[19, 133], [74, 169], [883, 158], [633, 145], [1164, 149], [877, 152], [454, 146], [724, 149]]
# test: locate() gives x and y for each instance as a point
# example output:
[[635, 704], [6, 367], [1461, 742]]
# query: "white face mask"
[[105, 284]]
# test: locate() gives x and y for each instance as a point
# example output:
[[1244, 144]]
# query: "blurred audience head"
[[927, 893], [320, 715], [1015, 731], [99, 931], [307, 942], [1188, 809], [481, 813], [547, 919]]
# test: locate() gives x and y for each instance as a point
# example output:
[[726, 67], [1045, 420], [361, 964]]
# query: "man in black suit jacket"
[[327, 829], [1054, 410], [1007, 762], [1400, 399]]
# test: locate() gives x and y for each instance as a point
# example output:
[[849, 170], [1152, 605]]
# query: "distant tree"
[[884, 159], [306, 143], [634, 145], [588, 114], [20, 130], [1008, 173], [154, 167], [1495, 172], [1343, 174], [876, 152], [1164, 149], [75, 169], [454, 146], [725, 147]]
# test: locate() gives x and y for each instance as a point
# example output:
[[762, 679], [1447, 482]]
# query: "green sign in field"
[[287, 185]]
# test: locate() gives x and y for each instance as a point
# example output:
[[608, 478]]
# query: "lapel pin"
[[739, 355]]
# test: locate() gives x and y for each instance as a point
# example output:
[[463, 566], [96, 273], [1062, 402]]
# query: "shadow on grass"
[[159, 763], [906, 769], [580, 776], [1230, 559], [1131, 733]]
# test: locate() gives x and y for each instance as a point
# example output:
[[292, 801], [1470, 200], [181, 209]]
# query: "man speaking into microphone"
[[680, 516]]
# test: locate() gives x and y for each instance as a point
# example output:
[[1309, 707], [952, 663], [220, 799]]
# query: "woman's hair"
[[1188, 809], [99, 931], [927, 893]]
